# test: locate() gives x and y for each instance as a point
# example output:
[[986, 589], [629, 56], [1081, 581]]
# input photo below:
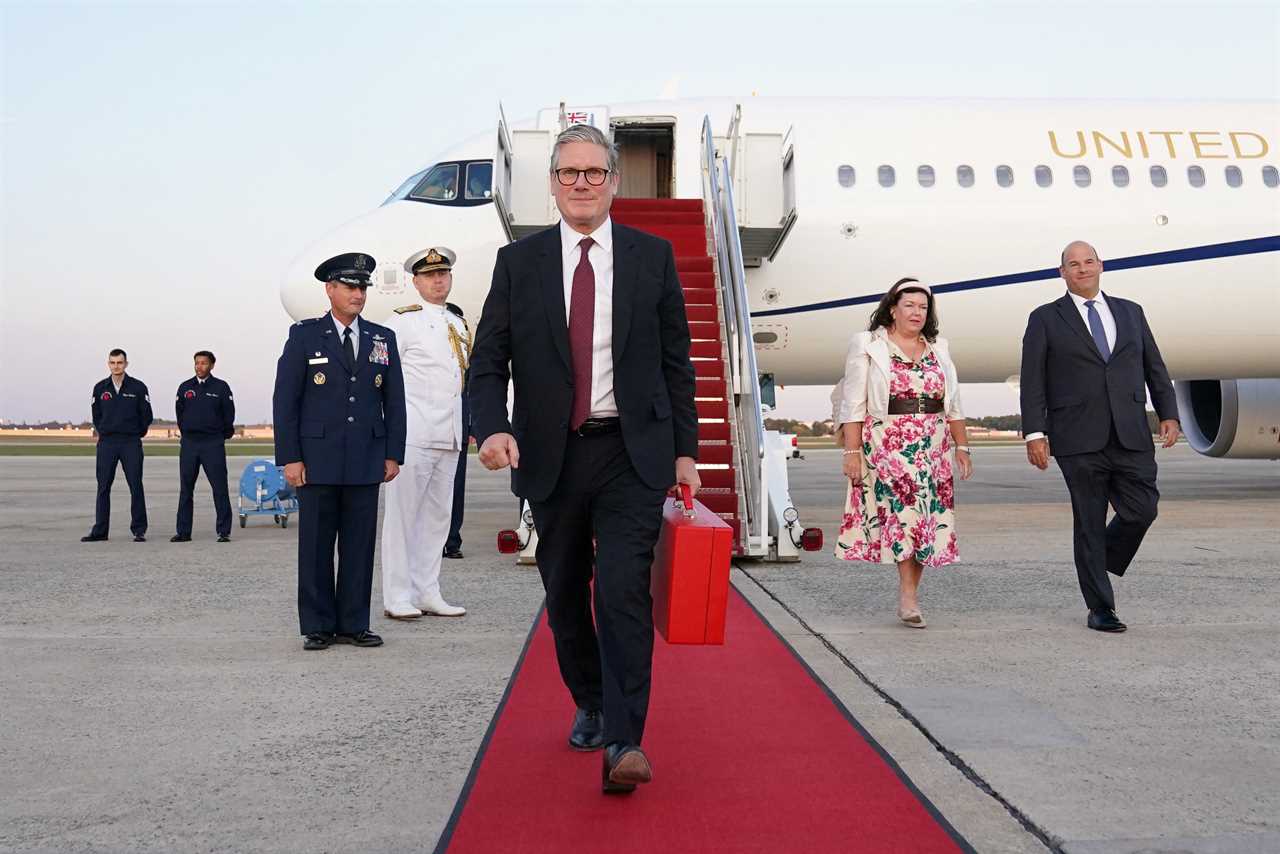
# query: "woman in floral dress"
[[903, 433]]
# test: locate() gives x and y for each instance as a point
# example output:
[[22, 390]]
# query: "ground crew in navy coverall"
[[339, 415], [121, 416], [206, 416]]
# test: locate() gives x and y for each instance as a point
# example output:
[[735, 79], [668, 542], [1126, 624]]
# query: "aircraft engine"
[[1237, 419]]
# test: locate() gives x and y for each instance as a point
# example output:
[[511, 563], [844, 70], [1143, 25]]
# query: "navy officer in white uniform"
[[434, 347], [339, 433]]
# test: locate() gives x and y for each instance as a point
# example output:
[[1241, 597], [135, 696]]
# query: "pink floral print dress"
[[904, 506]]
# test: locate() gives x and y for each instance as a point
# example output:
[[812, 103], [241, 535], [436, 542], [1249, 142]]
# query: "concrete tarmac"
[[156, 696]]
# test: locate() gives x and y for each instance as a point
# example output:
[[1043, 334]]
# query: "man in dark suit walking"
[[340, 432], [587, 319], [1088, 360]]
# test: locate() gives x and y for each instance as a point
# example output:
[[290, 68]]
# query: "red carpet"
[[750, 754]]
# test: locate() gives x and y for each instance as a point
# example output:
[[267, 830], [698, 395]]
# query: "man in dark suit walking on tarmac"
[[1088, 360], [587, 318]]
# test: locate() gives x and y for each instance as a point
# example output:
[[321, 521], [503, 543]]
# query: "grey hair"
[[1062, 261], [585, 133]]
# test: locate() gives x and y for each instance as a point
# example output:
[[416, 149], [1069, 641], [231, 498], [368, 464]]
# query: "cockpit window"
[[439, 185], [409, 184], [479, 180], [464, 183]]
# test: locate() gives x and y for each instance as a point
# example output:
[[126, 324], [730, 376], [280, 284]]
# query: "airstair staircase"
[[742, 466]]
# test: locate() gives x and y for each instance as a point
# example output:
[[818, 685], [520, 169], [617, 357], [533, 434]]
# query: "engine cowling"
[[1238, 419]]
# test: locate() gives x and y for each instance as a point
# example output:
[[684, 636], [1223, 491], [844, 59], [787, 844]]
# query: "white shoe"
[[436, 606], [402, 612]]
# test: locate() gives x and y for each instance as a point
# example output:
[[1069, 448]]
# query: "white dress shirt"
[[603, 404], [1108, 329], [355, 334]]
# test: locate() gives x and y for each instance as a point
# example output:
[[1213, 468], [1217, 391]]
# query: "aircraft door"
[[521, 192], [502, 175], [764, 188]]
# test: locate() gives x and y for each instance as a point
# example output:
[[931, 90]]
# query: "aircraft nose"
[[391, 234]]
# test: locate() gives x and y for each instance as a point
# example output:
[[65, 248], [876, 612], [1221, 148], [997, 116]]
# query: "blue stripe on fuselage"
[[1153, 259]]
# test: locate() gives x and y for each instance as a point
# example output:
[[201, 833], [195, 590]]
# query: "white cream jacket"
[[432, 375], [864, 388]]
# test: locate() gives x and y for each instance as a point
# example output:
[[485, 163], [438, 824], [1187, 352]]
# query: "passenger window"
[[440, 185], [845, 175], [1195, 175], [1158, 176], [886, 176], [964, 176], [1270, 176], [925, 175], [479, 180], [1234, 178], [1044, 176], [1082, 176], [1120, 176], [1004, 176]]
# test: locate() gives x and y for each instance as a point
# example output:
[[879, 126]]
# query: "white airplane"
[[838, 197]]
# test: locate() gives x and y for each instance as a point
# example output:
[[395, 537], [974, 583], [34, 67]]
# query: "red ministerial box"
[[690, 575]]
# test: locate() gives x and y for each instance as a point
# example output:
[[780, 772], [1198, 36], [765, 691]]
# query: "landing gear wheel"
[[284, 521], [243, 521]]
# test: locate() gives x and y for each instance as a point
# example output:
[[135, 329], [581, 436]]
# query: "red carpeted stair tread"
[[623, 206]]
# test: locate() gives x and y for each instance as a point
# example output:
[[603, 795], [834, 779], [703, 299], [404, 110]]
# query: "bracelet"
[[964, 448], [849, 451]]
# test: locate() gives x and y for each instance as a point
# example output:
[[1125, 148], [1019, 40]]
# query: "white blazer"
[[864, 388], [432, 375]]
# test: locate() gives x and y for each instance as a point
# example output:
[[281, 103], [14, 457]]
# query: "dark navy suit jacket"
[[123, 414], [524, 336], [1074, 397], [205, 411], [342, 421]]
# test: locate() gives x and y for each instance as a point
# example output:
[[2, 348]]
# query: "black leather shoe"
[[587, 732], [318, 640], [1105, 621], [224, 538], [179, 538], [453, 554], [625, 767], [139, 538], [94, 538], [365, 638]]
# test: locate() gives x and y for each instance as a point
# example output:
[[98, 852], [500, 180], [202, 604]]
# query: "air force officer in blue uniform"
[[121, 417], [206, 412], [339, 432]]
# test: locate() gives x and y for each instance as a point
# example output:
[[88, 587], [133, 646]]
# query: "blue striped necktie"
[[1095, 329]]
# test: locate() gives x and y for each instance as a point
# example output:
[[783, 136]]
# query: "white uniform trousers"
[[415, 525]]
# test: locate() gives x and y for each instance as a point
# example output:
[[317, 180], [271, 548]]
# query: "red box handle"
[[686, 498]]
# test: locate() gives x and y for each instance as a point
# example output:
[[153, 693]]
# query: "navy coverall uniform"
[[206, 416], [121, 418], [342, 421]]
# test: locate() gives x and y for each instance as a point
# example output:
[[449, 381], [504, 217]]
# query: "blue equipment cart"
[[264, 490]]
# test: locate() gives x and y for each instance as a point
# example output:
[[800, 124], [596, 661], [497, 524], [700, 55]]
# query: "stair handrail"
[[718, 191]]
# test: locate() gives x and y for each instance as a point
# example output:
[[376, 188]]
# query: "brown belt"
[[914, 405]]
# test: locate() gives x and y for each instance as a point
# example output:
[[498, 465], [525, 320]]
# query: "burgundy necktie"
[[582, 310]]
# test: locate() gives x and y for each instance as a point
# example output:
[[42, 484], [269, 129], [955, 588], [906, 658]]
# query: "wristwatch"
[[964, 448]]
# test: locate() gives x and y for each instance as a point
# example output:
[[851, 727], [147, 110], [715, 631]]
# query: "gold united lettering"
[[1160, 144]]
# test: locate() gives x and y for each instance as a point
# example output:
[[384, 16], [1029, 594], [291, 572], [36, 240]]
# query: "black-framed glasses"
[[569, 177]]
